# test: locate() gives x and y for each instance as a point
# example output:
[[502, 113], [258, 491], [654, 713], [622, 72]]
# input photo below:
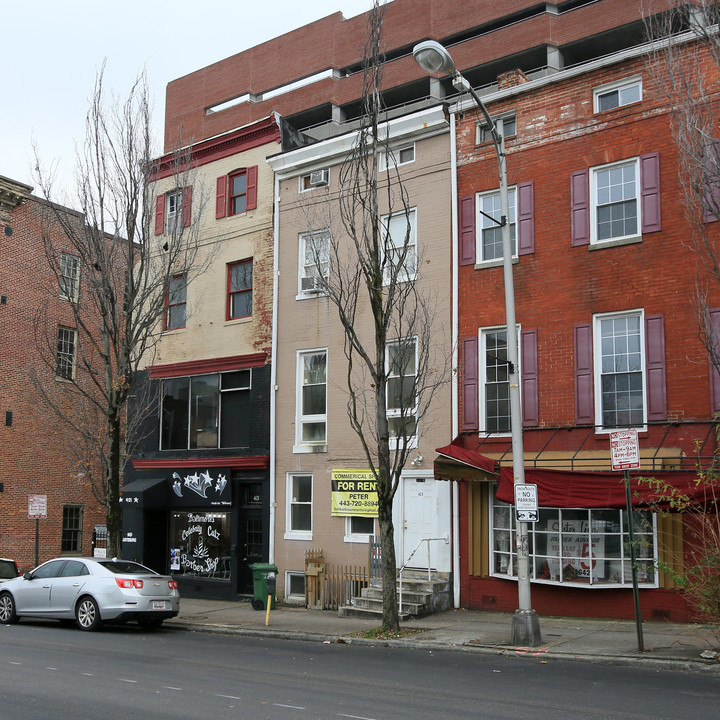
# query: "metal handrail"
[[445, 539]]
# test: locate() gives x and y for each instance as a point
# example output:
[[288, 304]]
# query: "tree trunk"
[[114, 508], [391, 619]]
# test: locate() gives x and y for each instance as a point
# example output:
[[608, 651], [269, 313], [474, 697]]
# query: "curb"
[[652, 663]]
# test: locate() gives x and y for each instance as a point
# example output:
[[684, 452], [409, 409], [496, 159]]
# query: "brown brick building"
[[36, 456]]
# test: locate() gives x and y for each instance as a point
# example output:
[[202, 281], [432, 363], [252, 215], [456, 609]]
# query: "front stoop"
[[420, 596]]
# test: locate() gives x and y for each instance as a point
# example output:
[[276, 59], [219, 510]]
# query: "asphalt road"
[[48, 671]]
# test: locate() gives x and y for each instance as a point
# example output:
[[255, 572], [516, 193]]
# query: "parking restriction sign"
[[526, 502], [625, 450]]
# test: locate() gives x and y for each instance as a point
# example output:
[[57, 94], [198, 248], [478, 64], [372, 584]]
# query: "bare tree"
[[684, 62], [368, 265], [117, 274]]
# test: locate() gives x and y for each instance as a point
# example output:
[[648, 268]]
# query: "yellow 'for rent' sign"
[[354, 492]]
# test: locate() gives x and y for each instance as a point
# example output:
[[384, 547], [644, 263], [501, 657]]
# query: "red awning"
[[575, 489]]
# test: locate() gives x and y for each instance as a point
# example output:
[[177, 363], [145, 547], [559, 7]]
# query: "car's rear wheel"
[[8, 616], [87, 614]]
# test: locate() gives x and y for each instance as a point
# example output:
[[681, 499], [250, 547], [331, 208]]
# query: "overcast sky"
[[52, 50]]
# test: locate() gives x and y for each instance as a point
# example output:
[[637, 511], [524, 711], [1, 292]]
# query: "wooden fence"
[[328, 586]]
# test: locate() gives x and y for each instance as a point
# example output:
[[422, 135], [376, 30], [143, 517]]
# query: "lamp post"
[[434, 58]]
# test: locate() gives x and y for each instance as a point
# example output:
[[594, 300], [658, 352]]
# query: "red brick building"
[[35, 449], [604, 279]]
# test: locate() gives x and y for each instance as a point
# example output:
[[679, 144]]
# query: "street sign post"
[[37, 510], [526, 502]]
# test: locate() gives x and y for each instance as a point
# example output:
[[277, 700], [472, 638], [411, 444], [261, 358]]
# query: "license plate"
[[158, 604]]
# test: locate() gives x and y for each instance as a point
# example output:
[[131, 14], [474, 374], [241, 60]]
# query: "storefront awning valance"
[[569, 488], [147, 493]]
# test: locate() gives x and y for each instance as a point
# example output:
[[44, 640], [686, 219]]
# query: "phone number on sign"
[[357, 503]]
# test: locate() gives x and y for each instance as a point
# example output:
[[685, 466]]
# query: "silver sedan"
[[91, 591]]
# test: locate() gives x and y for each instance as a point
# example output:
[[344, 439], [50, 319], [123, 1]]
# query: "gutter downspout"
[[454, 376], [273, 366]]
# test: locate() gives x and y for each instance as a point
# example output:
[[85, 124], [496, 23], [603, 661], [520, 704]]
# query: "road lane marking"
[[291, 707], [169, 687], [228, 697], [355, 717], [127, 681]]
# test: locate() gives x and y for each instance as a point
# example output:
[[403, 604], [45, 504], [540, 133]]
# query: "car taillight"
[[172, 584], [128, 583]]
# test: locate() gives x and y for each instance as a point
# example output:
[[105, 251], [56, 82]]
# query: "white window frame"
[[63, 358], [357, 537], [594, 204], [483, 223], [294, 598], [304, 181], [482, 131], [598, 374], [173, 211], [69, 277], [620, 87], [308, 270], [482, 367], [290, 532], [501, 545], [412, 441], [398, 156], [412, 253], [301, 445]]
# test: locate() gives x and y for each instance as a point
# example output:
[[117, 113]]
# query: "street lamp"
[[434, 58]]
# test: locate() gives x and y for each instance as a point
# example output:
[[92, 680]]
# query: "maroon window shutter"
[[220, 198], [252, 174], [580, 207], [650, 192], [186, 205], [160, 214], [470, 396], [529, 380], [526, 218], [584, 397], [467, 230], [655, 367], [714, 328]]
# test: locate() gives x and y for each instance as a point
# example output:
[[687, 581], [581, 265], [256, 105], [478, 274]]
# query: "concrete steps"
[[420, 597]]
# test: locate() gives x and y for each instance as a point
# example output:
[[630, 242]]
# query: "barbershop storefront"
[[204, 525]]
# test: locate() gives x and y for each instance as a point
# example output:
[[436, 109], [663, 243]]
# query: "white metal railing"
[[445, 539]]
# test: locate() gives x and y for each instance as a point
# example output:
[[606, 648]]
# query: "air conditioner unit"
[[311, 284], [319, 178]]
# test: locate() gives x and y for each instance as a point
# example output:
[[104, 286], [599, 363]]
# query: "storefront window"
[[576, 546], [200, 544]]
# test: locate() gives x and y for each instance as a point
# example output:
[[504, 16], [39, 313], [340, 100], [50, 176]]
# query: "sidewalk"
[[667, 645]]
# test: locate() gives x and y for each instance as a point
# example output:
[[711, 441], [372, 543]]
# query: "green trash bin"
[[261, 591]]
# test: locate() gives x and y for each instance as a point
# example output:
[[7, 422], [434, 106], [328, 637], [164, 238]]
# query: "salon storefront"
[[203, 523]]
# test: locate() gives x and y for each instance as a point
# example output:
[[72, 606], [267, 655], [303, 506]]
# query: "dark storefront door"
[[156, 553], [251, 548]]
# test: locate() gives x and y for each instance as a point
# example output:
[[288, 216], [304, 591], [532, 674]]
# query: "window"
[[206, 411], [619, 370], [200, 544], [237, 192], [69, 276], [506, 127], [295, 586], [71, 541], [489, 228], [176, 303], [240, 289], [66, 342], [495, 385], [314, 260], [172, 211], [299, 507], [396, 157], [315, 179], [576, 546], [615, 197], [402, 390], [400, 245], [312, 399], [359, 529], [609, 97]]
